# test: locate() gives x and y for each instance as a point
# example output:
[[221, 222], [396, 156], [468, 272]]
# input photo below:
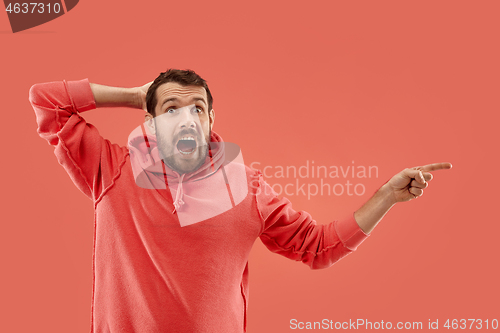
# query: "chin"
[[181, 166]]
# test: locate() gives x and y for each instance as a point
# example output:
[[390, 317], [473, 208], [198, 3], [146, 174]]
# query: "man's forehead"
[[173, 89]]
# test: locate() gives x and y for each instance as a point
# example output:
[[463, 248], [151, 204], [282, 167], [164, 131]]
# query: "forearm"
[[370, 214], [106, 96]]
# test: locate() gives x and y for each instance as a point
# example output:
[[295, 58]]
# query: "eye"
[[170, 110], [199, 109]]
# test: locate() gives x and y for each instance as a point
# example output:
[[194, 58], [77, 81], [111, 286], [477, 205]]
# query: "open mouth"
[[186, 145]]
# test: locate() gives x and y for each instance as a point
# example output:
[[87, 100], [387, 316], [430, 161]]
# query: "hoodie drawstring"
[[178, 196], [178, 202]]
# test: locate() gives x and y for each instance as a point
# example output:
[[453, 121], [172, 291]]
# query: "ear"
[[150, 123], [211, 114]]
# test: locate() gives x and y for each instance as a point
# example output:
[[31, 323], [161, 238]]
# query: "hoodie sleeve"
[[91, 161], [295, 235]]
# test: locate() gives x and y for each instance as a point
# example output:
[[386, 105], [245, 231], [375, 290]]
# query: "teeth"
[[188, 138]]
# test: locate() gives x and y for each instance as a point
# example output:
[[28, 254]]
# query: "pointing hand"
[[410, 183]]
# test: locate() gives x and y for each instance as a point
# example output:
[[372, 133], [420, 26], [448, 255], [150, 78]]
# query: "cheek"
[[166, 131], [206, 127]]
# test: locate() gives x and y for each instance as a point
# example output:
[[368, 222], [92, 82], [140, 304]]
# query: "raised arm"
[[106, 96], [90, 160]]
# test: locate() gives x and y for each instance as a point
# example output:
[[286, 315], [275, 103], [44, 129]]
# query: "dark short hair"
[[183, 77]]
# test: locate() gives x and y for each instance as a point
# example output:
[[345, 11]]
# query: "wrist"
[[138, 98], [128, 97], [386, 194]]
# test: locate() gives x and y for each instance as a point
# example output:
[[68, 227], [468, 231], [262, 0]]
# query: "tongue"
[[186, 146]]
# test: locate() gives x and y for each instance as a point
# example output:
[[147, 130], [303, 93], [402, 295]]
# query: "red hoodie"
[[155, 269]]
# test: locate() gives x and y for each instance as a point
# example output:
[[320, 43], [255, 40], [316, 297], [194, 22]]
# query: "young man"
[[176, 212]]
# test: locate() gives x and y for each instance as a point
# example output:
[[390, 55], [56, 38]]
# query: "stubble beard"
[[169, 154]]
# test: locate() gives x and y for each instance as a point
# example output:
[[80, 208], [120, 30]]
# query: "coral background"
[[393, 84]]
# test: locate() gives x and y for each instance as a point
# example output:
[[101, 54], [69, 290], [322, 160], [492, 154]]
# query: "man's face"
[[182, 126]]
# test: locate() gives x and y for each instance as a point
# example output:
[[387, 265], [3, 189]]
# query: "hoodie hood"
[[150, 171]]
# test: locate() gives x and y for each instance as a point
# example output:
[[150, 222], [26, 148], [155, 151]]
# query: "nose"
[[187, 119]]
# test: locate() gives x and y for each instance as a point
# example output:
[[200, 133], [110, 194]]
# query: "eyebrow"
[[175, 99]]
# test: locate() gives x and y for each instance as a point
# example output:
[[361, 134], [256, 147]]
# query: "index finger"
[[436, 166]]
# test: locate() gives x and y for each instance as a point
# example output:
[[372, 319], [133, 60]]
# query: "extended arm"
[[404, 186]]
